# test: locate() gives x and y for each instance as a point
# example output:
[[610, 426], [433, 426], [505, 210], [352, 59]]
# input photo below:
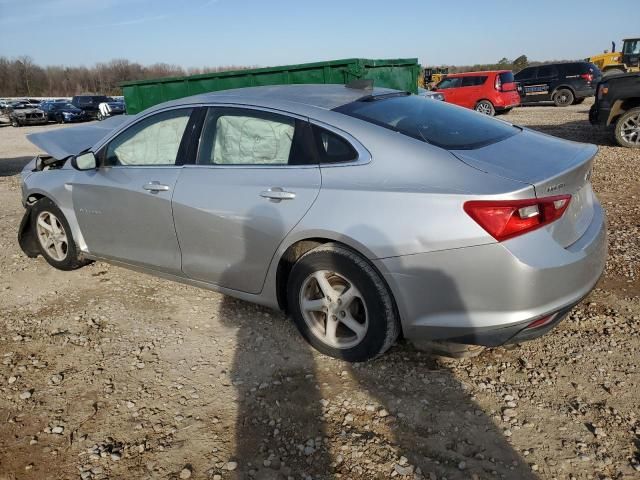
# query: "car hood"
[[27, 110], [65, 142]]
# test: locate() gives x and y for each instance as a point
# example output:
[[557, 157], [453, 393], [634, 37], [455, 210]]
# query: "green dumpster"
[[401, 74]]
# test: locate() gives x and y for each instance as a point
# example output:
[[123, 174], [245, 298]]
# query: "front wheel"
[[486, 107], [15, 122], [627, 130], [55, 241], [341, 305], [563, 97], [100, 117]]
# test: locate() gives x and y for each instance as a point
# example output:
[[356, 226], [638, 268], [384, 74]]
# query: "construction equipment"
[[433, 75], [627, 60]]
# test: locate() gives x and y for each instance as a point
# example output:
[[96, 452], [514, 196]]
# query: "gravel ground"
[[108, 373]]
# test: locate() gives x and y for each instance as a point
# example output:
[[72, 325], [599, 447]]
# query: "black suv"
[[562, 83], [89, 103], [618, 104]]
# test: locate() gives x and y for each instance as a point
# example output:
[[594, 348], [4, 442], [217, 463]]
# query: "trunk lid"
[[552, 166]]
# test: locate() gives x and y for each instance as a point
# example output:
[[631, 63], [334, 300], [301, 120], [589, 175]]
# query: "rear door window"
[[435, 123], [473, 81], [547, 71], [239, 136], [507, 77]]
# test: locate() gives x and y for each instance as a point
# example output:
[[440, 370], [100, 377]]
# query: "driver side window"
[[153, 141]]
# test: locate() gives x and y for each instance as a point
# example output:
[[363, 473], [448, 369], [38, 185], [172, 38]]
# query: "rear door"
[[526, 80], [470, 90], [124, 206], [255, 178]]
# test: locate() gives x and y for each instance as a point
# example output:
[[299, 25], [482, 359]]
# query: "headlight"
[[438, 96]]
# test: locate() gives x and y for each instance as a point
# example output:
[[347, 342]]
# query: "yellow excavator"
[[627, 60], [433, 75]]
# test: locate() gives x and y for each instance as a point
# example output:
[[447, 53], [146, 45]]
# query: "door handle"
[[156, 187], [277, 194]]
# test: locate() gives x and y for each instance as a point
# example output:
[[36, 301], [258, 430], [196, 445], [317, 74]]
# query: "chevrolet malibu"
[[365, 214]]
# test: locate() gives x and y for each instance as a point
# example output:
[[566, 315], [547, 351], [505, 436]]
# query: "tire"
[[371, 307], [15, 122], [627, 129], [60, 254], [578, 101], [486, 107], [60, 119], [563, 97], [100, 117], [612, 71]]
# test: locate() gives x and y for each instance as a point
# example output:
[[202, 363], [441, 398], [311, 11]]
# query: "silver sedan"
[[365, 214]]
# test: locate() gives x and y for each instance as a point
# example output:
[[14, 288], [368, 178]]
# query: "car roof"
[[320, 96]]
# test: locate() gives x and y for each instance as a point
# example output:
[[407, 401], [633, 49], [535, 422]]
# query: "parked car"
[[62, 112], [486, 92], [24, 113], [562, 83], [89, 103], [618, 105], [363, 213], [110, 108]]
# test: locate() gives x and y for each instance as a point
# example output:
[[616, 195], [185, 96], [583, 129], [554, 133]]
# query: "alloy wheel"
[[630, 130], [333, 309], [483, 107], [52, 236]]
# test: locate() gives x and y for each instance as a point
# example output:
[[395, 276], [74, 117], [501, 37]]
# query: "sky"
[[197, 33]]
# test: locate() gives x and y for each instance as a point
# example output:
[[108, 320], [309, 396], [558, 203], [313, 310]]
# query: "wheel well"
[[34, 197], [297, 250], [288, 259], [566, 87], [620, 107]]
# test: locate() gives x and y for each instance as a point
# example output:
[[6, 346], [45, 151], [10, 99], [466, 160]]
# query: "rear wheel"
[[341, 305], [563, 97], [100, 117], [15, 122], [627, 129], [55, 241], [486, 107]]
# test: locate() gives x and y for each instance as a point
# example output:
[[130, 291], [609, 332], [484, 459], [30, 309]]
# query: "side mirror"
[[86, 161]]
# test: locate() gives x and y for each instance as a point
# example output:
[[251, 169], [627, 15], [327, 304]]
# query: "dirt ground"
[[108, 373]]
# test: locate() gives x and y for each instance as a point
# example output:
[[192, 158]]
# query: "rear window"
[[436, 123], [474, 81], [506, 77]]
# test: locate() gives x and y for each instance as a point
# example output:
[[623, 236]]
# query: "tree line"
[[515, 65], [22, 77]]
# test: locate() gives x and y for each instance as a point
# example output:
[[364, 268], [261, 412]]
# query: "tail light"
[[504, 219], [498, 84], [587, 76]]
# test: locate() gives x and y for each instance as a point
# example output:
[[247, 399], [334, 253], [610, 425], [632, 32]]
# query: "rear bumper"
[[585, 92], [489, 294], [506, 100]]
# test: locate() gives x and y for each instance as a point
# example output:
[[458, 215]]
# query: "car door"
[[254, 180], [470, 90], [546, 80], [449, 87], [526, 80], [124, 206]]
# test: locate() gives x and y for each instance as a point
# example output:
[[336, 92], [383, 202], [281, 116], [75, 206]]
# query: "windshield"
[[437, 123], [632, 47], [65, 106]]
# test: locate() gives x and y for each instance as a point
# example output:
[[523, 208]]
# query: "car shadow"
[[578, 131], [304, 415], [12, 166]]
